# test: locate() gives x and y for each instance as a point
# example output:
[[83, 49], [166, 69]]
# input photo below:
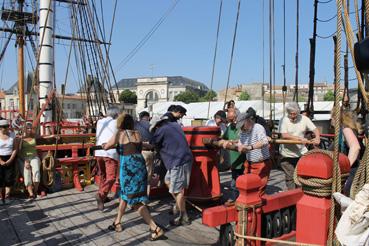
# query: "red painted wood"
[[219, 215]]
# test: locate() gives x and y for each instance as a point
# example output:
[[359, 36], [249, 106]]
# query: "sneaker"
[[100, 203], [30, 199], [180, 220]]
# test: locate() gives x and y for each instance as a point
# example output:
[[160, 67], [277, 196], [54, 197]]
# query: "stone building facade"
[[150, 90]]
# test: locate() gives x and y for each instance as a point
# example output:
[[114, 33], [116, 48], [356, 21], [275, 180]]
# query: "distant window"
[[73, 106], [68, 106], [11, 103]]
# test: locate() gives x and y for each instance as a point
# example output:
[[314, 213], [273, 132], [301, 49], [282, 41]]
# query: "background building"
[[150, 90]]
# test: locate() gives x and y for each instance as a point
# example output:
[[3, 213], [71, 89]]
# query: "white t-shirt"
[[222, 126], [6, 146], [297, 129], [106, 128]]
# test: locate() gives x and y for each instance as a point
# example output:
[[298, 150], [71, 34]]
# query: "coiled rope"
[[336, 176], [48, 164], [317, 186]]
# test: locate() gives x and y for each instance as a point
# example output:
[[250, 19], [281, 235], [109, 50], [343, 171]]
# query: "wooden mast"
[[310, 105], [20, 43]]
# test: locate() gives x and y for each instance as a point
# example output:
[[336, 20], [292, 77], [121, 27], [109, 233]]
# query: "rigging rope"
[[232, 52], [336, 176], [284, 89], [146, 37], [215, 53], [273, 35], [263, 55], [323, 2], [270, 61], [295, 96]]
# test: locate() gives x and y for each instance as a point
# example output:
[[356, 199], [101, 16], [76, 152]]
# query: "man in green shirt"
[[236, 159]]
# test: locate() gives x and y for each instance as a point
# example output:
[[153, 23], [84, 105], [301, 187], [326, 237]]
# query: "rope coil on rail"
[[48, 164], [317, 186]]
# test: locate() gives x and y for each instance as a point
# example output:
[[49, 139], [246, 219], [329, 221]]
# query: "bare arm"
[[316, 140], [352, 143], [14, 152], [112, 142], [291, 137]]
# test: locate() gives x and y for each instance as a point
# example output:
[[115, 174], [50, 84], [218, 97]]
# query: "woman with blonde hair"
[[133, 175], [29, 162], [349, 143]]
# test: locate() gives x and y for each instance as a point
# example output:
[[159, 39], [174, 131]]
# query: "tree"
[[187, 97], [244, 96], [128, 96], [329, 96], [209, 96]]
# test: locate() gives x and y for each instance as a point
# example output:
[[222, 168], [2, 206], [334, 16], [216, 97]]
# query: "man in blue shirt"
[[176, 155]]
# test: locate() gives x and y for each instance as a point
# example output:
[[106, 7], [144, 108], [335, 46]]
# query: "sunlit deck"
[[70, 217]]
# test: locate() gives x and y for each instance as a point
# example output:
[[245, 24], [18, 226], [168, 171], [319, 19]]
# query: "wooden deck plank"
[[9, 235], [70, 217]]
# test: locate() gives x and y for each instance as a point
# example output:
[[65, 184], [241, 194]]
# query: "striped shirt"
[[256, 134]]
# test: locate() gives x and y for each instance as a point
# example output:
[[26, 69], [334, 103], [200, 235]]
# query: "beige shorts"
[[33, 174], [149, 160]]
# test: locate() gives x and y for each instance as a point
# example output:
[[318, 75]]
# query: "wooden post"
[[310, 106], [20, 42], [21, 76]]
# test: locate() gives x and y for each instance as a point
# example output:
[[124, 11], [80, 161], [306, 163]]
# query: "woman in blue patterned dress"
[[133, 175]]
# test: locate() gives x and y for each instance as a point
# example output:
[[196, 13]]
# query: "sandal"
[[156, 234], [115, 227]]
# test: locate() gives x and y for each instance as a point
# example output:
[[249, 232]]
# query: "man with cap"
[[220, 119], [143, 127], [254, 143], [170, 141]]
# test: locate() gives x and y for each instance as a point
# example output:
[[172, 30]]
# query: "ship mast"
[[20, 43], [46, 60]]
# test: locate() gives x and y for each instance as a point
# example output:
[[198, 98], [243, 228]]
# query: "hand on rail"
[[315, 141]]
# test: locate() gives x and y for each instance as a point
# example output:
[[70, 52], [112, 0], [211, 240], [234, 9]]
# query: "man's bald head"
[[231, 115]]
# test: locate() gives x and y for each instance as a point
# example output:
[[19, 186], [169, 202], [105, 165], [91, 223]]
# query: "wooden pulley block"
[[361, 52]]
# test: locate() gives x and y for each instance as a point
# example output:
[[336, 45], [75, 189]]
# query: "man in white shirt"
[[220, 119], [107, 160], [293, 127]]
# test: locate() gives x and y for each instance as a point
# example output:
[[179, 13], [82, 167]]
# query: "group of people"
[[18, 152], [252, 134], [127, 149]]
